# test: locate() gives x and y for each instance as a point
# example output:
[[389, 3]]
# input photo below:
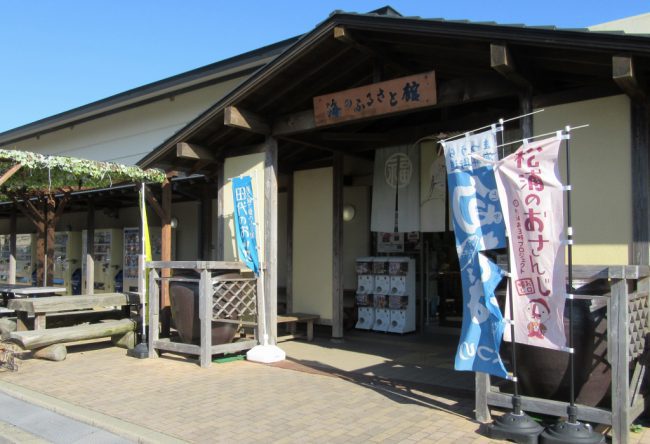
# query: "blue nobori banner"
[[478, 226], [245, 228]]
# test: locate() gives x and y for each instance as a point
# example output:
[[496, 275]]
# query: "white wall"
[[186, 233], [125, 137], [638, 24], [250, 165], [600, 175], [356, 233], [312, 242]]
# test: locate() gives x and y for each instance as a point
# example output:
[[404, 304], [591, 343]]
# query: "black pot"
[[545, 373], [185, 314]]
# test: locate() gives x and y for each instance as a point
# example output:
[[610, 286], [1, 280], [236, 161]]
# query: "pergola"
[[41, 186]]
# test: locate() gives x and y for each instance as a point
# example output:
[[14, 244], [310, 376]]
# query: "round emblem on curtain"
[[398, 170]]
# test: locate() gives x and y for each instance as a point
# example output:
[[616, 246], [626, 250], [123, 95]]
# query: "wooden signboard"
[[391, 96]]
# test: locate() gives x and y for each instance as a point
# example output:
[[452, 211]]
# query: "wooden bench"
[[121, 331], [41, 307], [292, 319]]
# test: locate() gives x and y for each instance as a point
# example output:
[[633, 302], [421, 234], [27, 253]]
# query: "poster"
[[245, 227], [533, 203], [396, 190], [433, 189], [478, 226], [390, 242]]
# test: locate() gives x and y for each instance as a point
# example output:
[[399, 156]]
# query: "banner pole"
[[572, 411], [516, 425], [570, 431]]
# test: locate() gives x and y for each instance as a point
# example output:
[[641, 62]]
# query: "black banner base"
[[521, 429]]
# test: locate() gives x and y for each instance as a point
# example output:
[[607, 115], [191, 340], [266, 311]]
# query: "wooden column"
[[337, 248], [482, 384], [525, 107], [165, 256], [50, 227], [41, 242], [12, 246], [271, 237], [289, 258], [221, 182], [618, 344], [640, 132], [206, 222], [90, 248]]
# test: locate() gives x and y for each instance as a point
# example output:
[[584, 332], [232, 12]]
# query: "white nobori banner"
[[532, 200]]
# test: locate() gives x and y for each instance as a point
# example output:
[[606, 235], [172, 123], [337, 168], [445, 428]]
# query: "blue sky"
[[57, 55]]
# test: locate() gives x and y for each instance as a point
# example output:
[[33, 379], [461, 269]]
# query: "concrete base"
[[266, 354]]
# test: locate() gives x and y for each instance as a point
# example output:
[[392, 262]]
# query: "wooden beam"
[[12, 246], [90, 248], [240, 118], [337, 247], [192, 151], [450, 93], [526, 107], [640, 150], [221, 221], [166, 255], [295, 123], [205, 246], [502, 61], [626, 77], [154, 203], [10, 172], [50, 227], [344, 35], [271, 237], [289, 260]]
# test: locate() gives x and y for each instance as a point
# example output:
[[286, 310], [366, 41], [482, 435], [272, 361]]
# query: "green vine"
[[41, 174]]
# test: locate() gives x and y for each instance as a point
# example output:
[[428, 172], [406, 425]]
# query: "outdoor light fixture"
[[349, 211], [173, 222]]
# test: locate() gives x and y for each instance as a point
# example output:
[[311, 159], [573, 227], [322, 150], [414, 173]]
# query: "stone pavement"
[[171, 399]]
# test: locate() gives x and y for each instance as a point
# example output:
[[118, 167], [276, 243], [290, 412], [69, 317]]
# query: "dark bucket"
[[545, 373], [185, 314]]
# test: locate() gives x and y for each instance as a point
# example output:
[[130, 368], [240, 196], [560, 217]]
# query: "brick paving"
[[247, 402]]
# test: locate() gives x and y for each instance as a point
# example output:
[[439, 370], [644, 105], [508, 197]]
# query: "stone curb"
[[111, 424]]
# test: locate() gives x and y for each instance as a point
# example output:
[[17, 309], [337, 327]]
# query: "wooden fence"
[[628, 306], [223, 299]]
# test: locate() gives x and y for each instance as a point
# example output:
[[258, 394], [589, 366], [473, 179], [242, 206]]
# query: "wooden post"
[[619, 340], [525, 107], [154, 312], [205, 317], [50, 226], [12, 247], [271, 237], [41, 245], [221, 182], [482, 412], [337, 247], [289, 258], [166, 256], [90, 248], [640, 132], [205, 248]]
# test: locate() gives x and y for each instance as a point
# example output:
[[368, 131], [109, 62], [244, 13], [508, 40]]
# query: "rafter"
[[344, 35], [155, 204], [502, 61], [626, 77], [10, 172], [236, 117]]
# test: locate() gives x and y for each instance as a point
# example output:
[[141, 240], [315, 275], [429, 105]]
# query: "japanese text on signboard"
[[378, 98]]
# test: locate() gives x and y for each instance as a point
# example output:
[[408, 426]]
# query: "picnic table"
[[17, 291]]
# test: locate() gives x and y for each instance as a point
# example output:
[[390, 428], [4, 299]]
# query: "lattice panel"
[[234, 299], [638, 323]]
